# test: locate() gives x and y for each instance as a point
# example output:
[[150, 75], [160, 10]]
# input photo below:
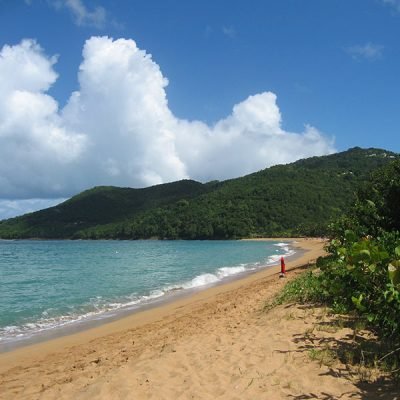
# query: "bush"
[[364, 275], [304, 289]]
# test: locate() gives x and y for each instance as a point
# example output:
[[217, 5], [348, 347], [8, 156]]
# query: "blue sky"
[[230, 87]]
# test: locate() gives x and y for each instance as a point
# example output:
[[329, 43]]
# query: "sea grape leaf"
[[370, 203], [394, 272], [370, 317], [350, 235], [357, 302], [364, 254], [372, 267]]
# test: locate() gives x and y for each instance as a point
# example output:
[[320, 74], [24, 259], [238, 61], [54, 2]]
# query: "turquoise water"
[[51, 284]]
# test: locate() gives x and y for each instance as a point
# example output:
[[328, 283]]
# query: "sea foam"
[[102, 307]]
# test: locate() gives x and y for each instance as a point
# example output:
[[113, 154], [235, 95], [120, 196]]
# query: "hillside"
[[98, 206], [293, 199]]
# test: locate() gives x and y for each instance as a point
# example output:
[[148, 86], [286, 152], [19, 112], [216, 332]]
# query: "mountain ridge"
[[282, 200]]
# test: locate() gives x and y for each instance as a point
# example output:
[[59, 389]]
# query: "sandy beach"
[[215, 344]]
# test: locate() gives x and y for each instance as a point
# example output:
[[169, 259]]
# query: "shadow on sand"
[[355, 351]]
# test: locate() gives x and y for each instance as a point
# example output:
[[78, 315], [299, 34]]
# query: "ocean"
[[48, 287]]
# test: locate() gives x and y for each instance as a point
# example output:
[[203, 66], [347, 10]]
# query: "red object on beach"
[[283, 268]]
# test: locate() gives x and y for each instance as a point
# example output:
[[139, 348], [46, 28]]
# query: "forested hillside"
[[98, 206], [294, 199], [361, 277]]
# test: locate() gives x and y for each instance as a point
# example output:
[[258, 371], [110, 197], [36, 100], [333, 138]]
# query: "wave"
[[99, 308]]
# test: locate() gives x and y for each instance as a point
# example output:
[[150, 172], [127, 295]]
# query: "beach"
[[216, 343]]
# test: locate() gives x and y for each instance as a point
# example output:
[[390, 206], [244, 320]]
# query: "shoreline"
[[73, 361], [152, 311], [170, 297]]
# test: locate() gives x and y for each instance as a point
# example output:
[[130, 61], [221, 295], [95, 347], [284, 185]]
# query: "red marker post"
[[283, 268]]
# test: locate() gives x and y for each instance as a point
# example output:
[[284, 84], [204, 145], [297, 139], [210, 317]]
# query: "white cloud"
[[81, 14], [35, 146], [368, 51], [251, 138], [118, 129], [122, 106]]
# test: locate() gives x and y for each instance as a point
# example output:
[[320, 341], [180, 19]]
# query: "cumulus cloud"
[[249, 139], [35, 145], [117, 129], [122, 106], [368, 51]]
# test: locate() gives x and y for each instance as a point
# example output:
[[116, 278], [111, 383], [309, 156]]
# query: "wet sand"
[[217, 343]]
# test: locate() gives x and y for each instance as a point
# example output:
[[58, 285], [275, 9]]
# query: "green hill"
[[95, 207], [293, 199]]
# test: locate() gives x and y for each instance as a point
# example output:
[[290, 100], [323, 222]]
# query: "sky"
[[135, 93]]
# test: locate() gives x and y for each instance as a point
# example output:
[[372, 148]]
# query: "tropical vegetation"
[[300, 198], [362, 273]]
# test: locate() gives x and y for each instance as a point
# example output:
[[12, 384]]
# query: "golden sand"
[[216, 344]]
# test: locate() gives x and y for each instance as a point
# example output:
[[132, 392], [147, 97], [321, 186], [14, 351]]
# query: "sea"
[[53, 288]]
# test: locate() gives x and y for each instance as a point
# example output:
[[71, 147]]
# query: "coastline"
[[164, 295], [22, 365]]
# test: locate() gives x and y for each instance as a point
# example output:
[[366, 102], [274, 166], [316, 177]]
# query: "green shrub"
[[306, 288], [362, 275]]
